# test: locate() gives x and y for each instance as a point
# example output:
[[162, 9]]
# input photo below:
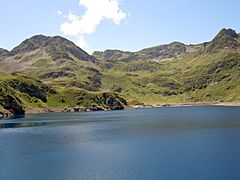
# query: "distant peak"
[[38, 36], [3, 52], [37, 39], [225, 39], [227, 32], [31, 44], [176, 43]]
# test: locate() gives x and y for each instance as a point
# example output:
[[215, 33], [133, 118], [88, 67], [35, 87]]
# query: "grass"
[[54, 78], [205, 78]]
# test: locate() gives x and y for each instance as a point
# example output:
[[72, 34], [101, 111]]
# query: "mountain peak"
[[225, 39], [3, 52], [56, 46], [165, 51], [31, 44], [227, 32]]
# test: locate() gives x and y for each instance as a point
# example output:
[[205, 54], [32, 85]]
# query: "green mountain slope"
[[53, 59], [207, 72], [19, 92], [51, 72]]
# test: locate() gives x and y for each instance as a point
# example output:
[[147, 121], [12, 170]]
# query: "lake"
[[171, 143]]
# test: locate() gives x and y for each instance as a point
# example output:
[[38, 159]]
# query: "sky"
[[117, 24]]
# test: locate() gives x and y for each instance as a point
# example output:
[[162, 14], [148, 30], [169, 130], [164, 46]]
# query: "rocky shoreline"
[[7, 113], [74, 109], [186, 104]]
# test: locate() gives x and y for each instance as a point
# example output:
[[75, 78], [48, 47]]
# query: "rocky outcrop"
[[12, 104], [30, 89], [164, 51], [31, 44], [60, 45], [58, 48], [106, 100], [10, 99], [225, 39], [111, 55], [3, 53], [56, 74], [112, 101], [6, 113]]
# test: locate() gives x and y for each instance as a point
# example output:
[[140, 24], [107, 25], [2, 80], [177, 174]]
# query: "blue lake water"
[[185, 143]]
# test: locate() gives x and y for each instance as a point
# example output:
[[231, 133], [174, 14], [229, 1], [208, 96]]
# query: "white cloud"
[[82, 43], [96, 11]]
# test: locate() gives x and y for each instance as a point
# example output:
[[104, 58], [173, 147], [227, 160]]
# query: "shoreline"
[[226, 104], [6, 113], [52, 110]]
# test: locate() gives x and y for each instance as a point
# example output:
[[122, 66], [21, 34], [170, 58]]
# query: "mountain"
[[171, 50], [43, 51], [52, 72], [53, 59], [3, 53], [161, 52], [55, 62], [111, 55], [176, 72], [57, 47], [225, 39]]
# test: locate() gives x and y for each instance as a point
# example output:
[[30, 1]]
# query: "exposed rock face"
[[57, 47], [111, 54], [113, 100], [12, 104], [9, 100], [31, 89], [171, 50], [3, 53], [5, 113], [225, 39], [57, 74], [31, 44], [164, 51], [107, 100]]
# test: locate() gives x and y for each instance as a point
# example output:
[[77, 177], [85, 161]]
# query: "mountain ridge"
[[225, 39], [52, 72], [41, 41]]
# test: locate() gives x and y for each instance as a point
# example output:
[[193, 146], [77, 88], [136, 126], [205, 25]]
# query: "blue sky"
[[139, 24]]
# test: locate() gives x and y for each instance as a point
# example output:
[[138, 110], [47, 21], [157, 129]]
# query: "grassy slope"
[[191, 78], [210, 77], [27, 92], [205, 78]]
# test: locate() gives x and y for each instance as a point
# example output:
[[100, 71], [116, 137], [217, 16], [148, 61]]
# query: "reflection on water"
[[166, 143], [163, 119], [21, 124], [16, 122]]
